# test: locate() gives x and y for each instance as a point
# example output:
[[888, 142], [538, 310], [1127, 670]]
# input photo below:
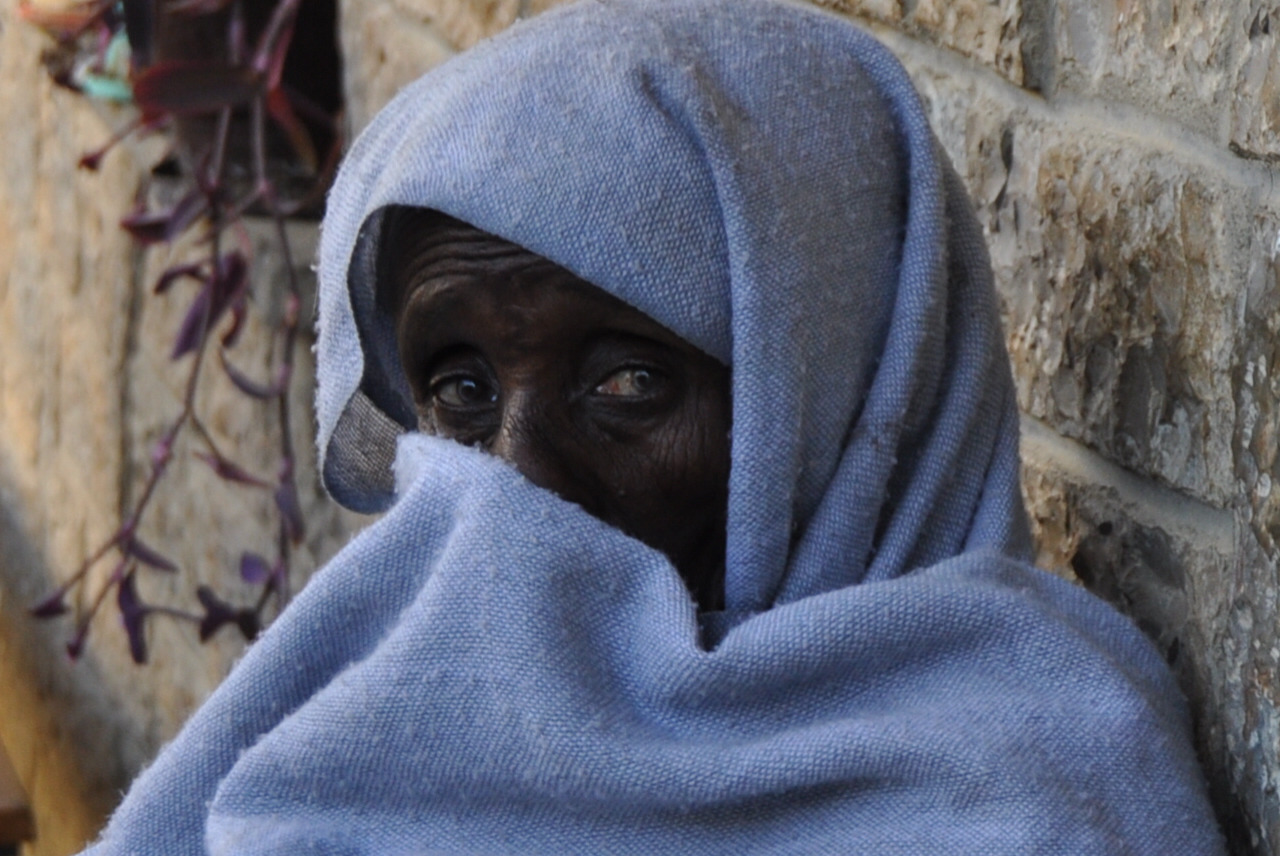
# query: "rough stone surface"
[[1170, 57], [65, 284], [85, 384], [1255, 102], [986, 31], [1116, 268], [389, 44], [383, 49]]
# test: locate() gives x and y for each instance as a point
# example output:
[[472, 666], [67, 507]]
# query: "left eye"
[[628, 383]]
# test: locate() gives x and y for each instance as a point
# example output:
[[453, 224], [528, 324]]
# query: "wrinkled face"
[[583, 394]]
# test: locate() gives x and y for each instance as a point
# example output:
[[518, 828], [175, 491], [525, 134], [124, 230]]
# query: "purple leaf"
[[273, 43], [226, 288], [286, 496], [251, 388], [171, 275], [76, 646], [193, 326], [233, 275], [216, 613], [51, 606], [154, 227], [247, 621], [147, 556], [254, 569], [90, 161], [231, 472], [133, 612], [282, 112], [186, 88]]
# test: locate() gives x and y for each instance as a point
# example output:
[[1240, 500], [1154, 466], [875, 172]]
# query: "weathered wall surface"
[[86, 388], [1123, 156]]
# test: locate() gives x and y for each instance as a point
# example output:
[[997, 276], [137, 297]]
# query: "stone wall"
[[86, 387], [1123, 157]]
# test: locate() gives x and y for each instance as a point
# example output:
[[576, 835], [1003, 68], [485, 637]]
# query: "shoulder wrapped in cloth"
[[490, 670]]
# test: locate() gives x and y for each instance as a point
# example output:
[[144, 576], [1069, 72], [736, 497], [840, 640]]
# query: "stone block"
[[1117, 266], [462, 23], [1255, 376], [986, 31], [391, 43], [1255, 94], [1193, 578], [66, 286], [383, 49], [1169, 57]]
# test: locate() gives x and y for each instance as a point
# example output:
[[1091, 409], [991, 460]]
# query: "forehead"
[[443, 276]]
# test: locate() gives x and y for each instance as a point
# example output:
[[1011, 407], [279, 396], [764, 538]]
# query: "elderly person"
[[704, 528]]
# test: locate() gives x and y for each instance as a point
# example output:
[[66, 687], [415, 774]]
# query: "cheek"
[[677, 478]]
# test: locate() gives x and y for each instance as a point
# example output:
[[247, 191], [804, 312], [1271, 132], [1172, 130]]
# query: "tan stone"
[[1169, 57], [888, 11], [384, 49], [1115, 270], [65, 288], [85, 382], [462, 23], [1255, 104], [388, 45], [983, 30], [1116, 265]]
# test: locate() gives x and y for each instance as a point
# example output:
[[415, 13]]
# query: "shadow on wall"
[[73, 748]]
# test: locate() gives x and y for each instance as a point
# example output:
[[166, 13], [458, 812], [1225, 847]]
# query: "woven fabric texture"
[[488, 669]]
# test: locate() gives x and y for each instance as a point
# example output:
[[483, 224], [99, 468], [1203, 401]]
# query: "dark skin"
[[583, 394]]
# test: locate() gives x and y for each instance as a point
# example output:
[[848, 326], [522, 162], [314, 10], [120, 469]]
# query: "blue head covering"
[[765, 184], [488, 669]]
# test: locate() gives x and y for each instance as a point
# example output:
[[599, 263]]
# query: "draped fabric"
[[488, 669]]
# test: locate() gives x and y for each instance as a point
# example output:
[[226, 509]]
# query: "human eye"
[[461, 391], [629, 382], [457, 396]]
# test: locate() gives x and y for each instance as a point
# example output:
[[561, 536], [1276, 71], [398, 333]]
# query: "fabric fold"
[[489, 669]]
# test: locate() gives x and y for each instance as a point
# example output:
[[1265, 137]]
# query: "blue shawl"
[[488, 669]]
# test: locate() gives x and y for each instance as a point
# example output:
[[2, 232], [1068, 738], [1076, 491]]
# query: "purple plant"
[[242, 89]]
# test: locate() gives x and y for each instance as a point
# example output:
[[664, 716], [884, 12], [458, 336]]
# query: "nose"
[[530, 439]]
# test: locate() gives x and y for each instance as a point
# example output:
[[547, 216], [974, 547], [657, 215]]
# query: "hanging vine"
[[247, 140]]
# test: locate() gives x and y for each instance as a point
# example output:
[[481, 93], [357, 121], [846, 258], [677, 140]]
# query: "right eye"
[[463, 392]]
